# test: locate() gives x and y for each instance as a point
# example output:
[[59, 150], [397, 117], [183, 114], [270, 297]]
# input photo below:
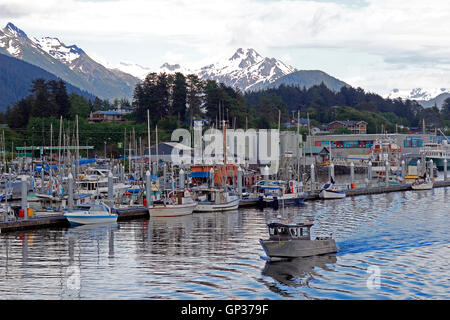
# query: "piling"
[[164, 175], [110, 190], [352, 173], [265, 173], [331, 172], [181, 178], [42, 179], [211, 177], [388, 169], [70, 187], [369, 171], [430, 168], [148, 185], [403, 170], [239, 181], [24, 195], [313, 176], [445, 169]]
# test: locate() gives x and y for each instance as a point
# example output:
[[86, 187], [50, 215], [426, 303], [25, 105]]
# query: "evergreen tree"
[[179, 96], [194, 93]]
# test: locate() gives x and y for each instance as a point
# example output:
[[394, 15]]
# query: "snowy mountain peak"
[[13, 30], [417, 93], [246, 58], [246, 69], [58, 50]]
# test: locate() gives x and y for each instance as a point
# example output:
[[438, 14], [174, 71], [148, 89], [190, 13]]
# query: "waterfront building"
[[347, 145]]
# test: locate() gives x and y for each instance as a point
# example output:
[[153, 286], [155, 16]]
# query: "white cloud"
[[408, 37]]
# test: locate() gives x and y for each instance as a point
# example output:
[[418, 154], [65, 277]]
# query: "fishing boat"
[[438, 153], [384, 151], [274, 192], [294, 240], [331, 191], [215, 199], [90, 214], [174, 204]]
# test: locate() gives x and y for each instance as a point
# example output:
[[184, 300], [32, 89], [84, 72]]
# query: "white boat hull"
[[75, 218], [212, 206], [422, 186], [331, 194], [172, 210]]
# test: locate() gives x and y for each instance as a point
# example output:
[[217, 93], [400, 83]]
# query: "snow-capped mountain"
[[246, 70], [417, 93], [425, 97], [58, 50], [68, 62], [140, 71]]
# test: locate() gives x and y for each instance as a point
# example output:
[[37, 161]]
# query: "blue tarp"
[[199, 174]]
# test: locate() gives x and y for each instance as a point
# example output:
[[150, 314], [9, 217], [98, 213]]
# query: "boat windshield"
[[97, 208]]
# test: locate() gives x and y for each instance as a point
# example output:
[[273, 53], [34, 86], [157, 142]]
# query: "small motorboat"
[[330, 191], [422, 184], [294, 241], [90, 214], [176, 203], [215, 199]]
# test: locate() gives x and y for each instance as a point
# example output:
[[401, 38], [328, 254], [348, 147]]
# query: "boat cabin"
[[91, 208], [279, 231]]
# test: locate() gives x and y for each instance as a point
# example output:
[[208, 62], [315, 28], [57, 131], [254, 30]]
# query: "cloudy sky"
[[375, 44]]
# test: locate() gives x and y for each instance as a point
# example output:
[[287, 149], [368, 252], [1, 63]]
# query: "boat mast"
[[148, 140]]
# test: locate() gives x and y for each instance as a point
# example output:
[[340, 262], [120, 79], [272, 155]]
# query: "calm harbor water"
[[401, 239]]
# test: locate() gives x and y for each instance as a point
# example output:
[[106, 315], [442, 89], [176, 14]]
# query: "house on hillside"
[[356, 127], [105, 116]]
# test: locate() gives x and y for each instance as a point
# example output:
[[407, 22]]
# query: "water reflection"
[[217, 255], [297, 272]]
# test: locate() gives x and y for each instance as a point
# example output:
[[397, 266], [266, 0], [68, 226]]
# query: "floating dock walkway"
[[59, 221]]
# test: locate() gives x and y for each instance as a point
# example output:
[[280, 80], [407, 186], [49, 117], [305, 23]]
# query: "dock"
[[59, 221]]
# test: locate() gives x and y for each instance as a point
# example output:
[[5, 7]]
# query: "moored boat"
[[176, 203], [330, 191], [420, 184], [90, 214], [215, 199], [294, 240]]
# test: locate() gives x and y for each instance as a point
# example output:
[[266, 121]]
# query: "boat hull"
[[276, 202], [331, 194], [172, 210], [75, 219], [422, 186], [298, 248], [212, 206]]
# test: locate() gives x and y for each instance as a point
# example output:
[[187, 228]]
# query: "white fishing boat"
[[438, 153], [176, 203], [331, 191], [215, 199], [90, 214]]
